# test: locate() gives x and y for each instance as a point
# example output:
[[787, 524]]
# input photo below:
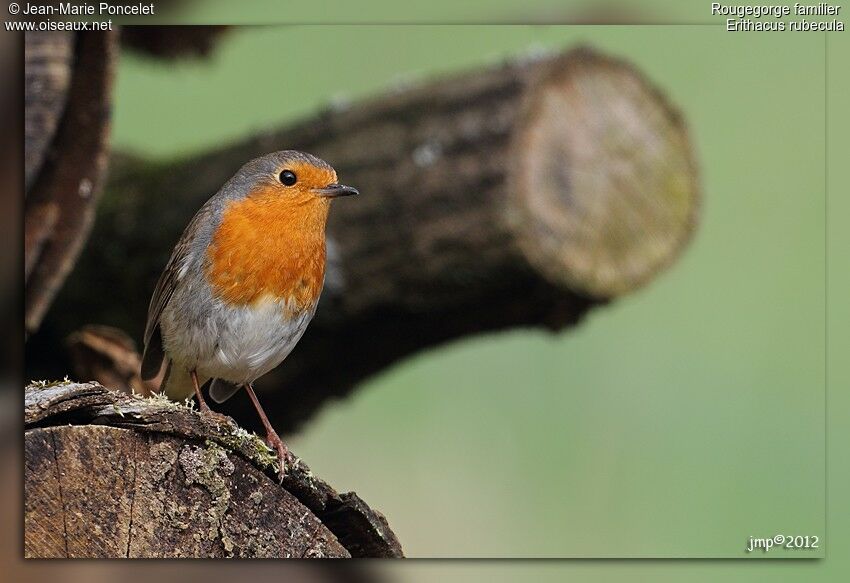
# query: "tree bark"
[[521, 195], [67, 98], [48, 68], [109, 475]]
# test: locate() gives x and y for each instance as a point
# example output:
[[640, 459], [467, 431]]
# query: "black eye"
[[288, 178]]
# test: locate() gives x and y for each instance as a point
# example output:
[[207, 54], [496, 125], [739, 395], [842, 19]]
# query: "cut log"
[[521, 195], [110, 475]]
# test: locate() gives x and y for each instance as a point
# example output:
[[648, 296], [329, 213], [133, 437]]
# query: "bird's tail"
[[177, 384], [221, 390]]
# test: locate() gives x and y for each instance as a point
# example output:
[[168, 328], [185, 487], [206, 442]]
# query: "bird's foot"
[[219, 418], [205, 410], [284, 456]]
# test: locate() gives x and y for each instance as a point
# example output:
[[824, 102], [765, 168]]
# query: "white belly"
[[237, 344]]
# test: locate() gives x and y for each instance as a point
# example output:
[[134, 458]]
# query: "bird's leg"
[[272, 438], [201, 403]]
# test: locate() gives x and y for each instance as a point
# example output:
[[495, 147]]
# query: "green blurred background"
[[677, 422]]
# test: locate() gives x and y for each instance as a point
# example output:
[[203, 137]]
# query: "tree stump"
[[110, 475]]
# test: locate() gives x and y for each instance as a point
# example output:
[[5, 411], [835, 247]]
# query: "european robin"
[[243, 282]]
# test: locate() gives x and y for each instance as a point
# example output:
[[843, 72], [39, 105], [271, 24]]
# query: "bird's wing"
[[174, 271]]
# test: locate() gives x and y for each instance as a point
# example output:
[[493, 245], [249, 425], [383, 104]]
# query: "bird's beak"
[[335, 190]]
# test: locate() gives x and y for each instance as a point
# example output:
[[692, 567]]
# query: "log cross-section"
[[107, 476]]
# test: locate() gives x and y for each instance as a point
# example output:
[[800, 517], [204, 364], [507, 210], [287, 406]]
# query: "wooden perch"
[[67, 97], [521, 195], [110, 475]]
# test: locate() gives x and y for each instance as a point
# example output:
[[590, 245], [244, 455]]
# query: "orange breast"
[[269, 246]]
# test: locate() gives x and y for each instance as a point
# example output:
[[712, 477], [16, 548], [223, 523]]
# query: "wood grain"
[[109, 476]]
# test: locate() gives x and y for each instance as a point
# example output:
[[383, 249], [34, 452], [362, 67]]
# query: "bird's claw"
[[284, 456]]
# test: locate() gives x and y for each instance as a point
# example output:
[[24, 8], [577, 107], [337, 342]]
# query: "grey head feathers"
[[265, 169]]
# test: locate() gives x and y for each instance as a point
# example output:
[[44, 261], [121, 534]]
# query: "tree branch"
[[68, 114]]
